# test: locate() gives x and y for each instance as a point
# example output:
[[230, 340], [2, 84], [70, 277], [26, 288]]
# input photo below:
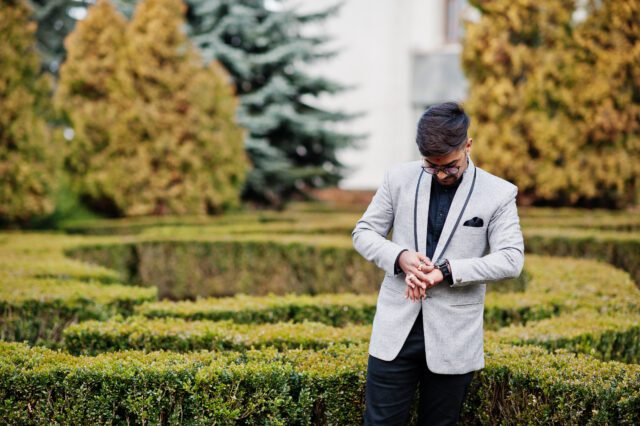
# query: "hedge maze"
[[265, 319]]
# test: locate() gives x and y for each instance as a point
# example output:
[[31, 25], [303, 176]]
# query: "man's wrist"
[[397, 268], [445, 269], [450, 275]]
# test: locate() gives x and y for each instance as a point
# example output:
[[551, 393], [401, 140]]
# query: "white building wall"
[[378, 40]]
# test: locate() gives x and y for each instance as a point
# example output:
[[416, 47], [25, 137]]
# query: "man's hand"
[[416, 266], [431, 279]]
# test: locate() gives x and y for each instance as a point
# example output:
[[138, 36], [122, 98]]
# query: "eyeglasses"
[[450, 170]]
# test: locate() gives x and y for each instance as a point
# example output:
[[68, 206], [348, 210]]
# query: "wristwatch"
[[445, 268]]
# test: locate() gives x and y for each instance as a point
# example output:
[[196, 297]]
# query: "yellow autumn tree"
[[168, 142], [28, 162], [544, 83], [87, 96]]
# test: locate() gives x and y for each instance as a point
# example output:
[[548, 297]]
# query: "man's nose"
[[444, 175]]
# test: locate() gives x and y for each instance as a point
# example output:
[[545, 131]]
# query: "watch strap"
[[445, 268]]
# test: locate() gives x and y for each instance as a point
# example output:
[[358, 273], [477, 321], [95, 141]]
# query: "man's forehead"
[[442, 160]]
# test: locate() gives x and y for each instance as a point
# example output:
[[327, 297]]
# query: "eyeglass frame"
[[436, 170]]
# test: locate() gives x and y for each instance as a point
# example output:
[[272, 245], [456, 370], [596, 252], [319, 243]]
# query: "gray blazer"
[[452, 315]]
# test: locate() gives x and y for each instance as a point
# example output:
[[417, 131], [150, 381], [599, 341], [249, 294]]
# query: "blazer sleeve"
[[370, 233], [506, 257]]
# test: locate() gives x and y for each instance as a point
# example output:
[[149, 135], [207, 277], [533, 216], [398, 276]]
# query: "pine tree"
[[290, 141], [542, 89], [28, 162]]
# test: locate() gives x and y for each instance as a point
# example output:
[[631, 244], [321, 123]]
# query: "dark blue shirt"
[[439, 204]]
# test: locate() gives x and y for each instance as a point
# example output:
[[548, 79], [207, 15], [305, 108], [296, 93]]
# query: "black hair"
[[442, 129]]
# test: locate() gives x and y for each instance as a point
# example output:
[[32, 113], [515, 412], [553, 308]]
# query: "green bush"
[[92, 337], [37, 310], [605, 335], [551, 286], [533, 218], [332, 309], [522, 384], [225, 266], [619, 249], [560, 305]]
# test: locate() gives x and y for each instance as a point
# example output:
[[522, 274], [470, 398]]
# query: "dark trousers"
[[391, 385]]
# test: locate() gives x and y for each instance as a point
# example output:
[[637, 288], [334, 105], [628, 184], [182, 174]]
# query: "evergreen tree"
[[28, 163], [607, 102], [290, 141], [87, 95], [56, 20], [167, 142], [555, 98]]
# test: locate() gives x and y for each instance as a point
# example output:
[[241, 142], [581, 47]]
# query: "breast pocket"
[[473, 230], [468, 241]]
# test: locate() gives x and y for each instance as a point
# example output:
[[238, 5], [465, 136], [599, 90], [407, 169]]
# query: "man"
[[455, 228]]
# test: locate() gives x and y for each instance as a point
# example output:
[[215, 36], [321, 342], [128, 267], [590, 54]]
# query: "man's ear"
[[469, 143]]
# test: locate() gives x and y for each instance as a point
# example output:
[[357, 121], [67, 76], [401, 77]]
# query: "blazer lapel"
[[454, 211], [422, 210]]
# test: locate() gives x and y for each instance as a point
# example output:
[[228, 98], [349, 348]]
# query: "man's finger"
[[422, 276], [409, 281], [417, 294], [414, 279], [424, 258], [411, 292], [417, 281]]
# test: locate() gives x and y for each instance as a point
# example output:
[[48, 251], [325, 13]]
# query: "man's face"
[[457, 158]]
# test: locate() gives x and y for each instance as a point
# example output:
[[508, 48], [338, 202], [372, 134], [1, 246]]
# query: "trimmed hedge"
[[596, 219], [253, 265], [37, 310], [92, 337], [332, 309], [577, 288], [314, 220], [522, 384], [258, 265], [552, 286], [559, 232], [289, 222], [619, 249], [528, 385], [51, 264], [607, 336], [42, 292]]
